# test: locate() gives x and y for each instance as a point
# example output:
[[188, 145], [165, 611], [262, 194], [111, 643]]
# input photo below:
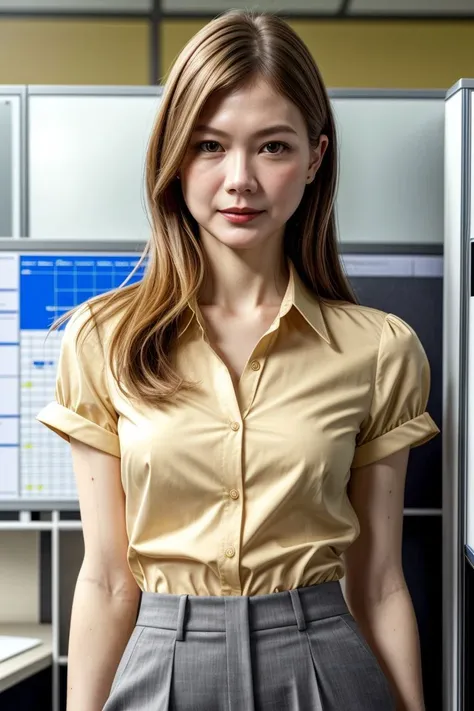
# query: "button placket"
[[233, 475], [233, 511], [253, 372]]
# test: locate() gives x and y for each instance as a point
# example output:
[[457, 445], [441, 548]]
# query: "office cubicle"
[[388, 251]]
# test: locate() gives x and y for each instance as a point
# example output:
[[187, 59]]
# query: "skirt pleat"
[[297, 650]]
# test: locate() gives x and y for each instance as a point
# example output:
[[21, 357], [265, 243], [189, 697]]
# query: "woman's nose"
[[240, 176]]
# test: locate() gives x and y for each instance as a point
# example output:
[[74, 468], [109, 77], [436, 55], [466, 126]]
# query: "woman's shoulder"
[[89, 323], [364, 322]]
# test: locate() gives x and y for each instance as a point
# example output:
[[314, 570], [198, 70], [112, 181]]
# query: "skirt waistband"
[[210, 614]]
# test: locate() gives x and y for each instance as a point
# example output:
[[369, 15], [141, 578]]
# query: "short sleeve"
[[397, 417], [82, 408]]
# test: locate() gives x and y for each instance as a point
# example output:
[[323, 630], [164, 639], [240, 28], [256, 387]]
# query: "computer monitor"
[[38, 283]]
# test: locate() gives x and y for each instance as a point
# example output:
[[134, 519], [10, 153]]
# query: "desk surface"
[[23, 665]]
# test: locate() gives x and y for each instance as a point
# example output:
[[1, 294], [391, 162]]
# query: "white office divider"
[[86, 158], [458, 377], [86, 149], [391, 164], [12, 174], [469, 230]]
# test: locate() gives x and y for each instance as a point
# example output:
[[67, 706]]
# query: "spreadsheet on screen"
[[35, 289]]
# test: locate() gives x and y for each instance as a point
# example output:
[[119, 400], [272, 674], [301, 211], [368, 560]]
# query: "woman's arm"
[[106, 595], [375, 588]]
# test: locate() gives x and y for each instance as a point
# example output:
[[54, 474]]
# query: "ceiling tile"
[[411, 7], [295, 7], [76, 5]]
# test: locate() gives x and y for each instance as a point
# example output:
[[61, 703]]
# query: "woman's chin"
[[241, 241], [239, 237]]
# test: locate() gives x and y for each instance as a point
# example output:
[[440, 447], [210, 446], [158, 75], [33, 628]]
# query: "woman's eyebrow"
[[279, 128]]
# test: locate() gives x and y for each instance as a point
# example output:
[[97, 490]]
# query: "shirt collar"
[[307, 303], [296, 295]]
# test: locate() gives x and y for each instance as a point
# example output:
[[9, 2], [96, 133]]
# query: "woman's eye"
[[277, 144], [213, 145], [275, 147]]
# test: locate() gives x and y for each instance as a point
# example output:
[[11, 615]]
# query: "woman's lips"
[[240, 217]]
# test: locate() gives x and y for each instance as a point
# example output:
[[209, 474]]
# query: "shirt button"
[[277, 590], [235, 426], [255, 365], [234, 493], [230, 552]]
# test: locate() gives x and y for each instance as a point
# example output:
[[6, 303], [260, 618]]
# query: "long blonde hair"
[[226, 53]]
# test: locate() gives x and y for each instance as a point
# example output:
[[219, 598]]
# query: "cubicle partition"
[[459, 394], [86, 162], [391, 166], [84, 225]]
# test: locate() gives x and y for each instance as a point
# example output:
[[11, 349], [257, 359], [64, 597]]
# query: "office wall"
[[404, 54], [74, 49]]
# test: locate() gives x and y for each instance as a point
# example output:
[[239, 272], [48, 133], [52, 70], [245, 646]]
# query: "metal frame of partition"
[[19, 159], [455, 407]]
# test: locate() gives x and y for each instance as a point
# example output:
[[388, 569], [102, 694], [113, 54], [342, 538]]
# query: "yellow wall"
[[41, 51], [350, 53], [392, 54]]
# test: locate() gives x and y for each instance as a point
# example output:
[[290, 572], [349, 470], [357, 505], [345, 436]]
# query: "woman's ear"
[[317, 155]]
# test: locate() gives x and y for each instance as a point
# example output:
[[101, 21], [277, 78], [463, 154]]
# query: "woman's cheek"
[[290, 183]]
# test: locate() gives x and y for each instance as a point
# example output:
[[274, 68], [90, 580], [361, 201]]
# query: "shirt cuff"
[[412, 433], [67, 423]]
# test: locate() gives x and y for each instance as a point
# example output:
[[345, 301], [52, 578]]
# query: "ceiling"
[[319, 8], [411, 7], [328, 8]]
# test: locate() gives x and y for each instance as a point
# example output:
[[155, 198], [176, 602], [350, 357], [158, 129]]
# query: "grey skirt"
[[297, 650]]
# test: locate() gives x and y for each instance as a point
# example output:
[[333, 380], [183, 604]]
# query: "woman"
[[239, 425]]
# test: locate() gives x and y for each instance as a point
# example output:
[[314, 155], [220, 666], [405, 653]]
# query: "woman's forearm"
[[391, 630], [101, 624]]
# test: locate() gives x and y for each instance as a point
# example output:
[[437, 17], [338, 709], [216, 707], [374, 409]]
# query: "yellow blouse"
[[244, 493]]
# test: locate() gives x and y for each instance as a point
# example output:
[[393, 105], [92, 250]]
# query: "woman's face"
[[250, 149]]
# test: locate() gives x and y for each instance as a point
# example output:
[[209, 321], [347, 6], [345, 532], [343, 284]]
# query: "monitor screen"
[[35, 289]]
